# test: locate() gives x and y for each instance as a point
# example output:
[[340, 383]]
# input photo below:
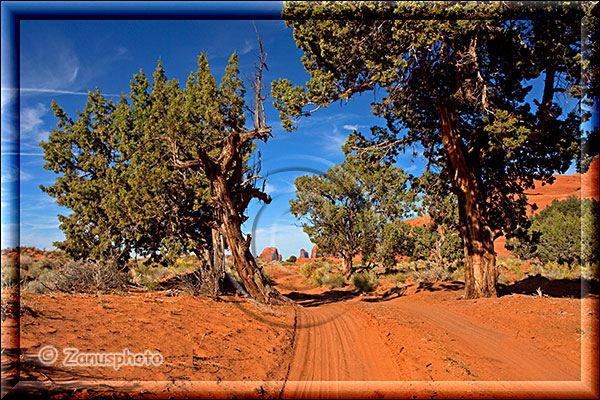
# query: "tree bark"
[[346, 265], [213, 266], [250, 274], [480, 259]]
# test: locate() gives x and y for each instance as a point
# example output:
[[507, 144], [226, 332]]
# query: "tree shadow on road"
[[574, 288], [318, 299]]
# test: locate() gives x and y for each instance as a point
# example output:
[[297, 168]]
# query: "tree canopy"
[[565, 232], [456, 79], [347, 208], [163, 171]]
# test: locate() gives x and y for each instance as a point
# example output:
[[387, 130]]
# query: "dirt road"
[[382, 348], [334, 344], [450, 339]]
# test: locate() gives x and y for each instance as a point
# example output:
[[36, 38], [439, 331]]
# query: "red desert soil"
[[421, 341], [427, 333], [199, 339]]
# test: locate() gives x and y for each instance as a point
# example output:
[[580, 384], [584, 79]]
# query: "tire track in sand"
[[333, 343]]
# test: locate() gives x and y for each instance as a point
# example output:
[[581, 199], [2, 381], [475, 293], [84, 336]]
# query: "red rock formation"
[[279, 257], [581, 185], [303, 254], [269, 253], [313, 253]]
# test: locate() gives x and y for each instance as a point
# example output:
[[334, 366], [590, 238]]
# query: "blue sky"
[[62, 59]]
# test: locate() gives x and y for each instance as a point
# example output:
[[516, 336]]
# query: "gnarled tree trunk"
[[480, 259], [213, 265], [250, 274], [346, 265]]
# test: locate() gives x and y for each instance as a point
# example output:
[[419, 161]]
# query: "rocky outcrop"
[[279, 257], [270, 253], [315, 253], [304, 254]]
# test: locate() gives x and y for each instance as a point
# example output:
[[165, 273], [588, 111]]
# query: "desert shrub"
[[319, 274], [398, 278], [556, 270], [81, 277], [26, 261], [42, 266], [291, 259], [434, 272], [307, 269], [365, 281], [144, 272], [564, 232], [590, 270], [458, 274], [185, 264], [506, 267], [333, 281], [10, 272]]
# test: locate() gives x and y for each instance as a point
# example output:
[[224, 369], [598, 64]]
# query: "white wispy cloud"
[[354, 127], [11, 173], [32, 124], [9, 237], [49, 63], [248, 47], [334, 140]]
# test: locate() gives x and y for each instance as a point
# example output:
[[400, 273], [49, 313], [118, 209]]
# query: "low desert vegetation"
[[320, 274], [365, 281]]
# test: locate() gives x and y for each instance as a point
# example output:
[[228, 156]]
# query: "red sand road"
[[426, 341], [330, 346], [343, 338]]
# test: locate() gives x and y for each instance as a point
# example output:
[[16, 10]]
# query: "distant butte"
[[304, 254], [270, 254]]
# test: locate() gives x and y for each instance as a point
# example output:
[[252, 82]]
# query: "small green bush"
[[590, 271], [365, 281], [458, 274], [508, 266], [333, 281], [308, 268], [399, 278], [291, 259], [433, 272], [556, 270], [10, 272], [185, 264]]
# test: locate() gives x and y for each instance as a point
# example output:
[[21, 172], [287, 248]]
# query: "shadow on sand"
[[318, 299], [574, 288]]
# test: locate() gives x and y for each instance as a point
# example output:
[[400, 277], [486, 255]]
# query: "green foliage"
[[118, 172], [455, 79], [346, 208], [398, 278], [10, 272], [333, 281], [564, 232], [291, 259], [319, 274], [396, 240], [365, 281], [509, 269]]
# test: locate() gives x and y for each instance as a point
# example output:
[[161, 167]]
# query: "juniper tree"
[[167, 171], [346, 209], [455, 78]]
